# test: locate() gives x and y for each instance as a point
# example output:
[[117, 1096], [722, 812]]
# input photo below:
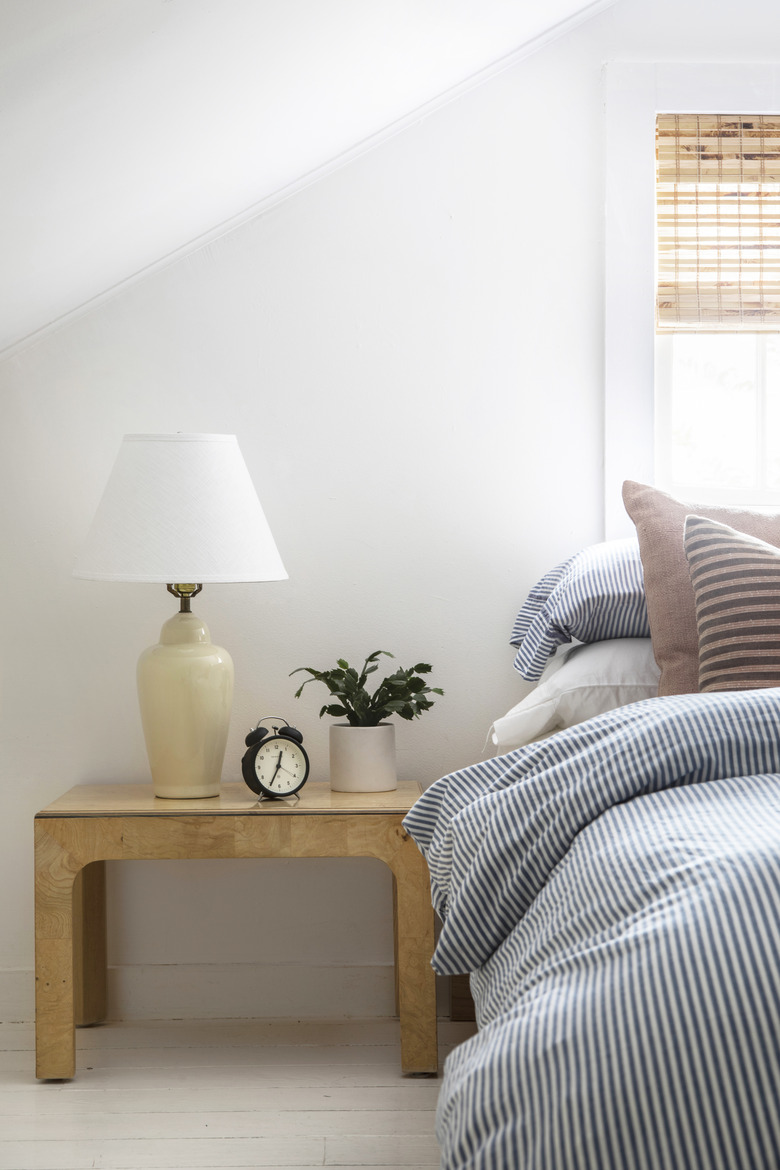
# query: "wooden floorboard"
[[222, 1094]]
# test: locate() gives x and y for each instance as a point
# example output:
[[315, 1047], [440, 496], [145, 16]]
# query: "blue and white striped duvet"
[[615, 891]]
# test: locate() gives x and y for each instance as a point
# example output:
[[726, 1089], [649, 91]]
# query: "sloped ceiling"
[[131, 130]]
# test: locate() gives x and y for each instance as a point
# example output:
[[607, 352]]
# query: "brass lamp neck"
[[185, 593]]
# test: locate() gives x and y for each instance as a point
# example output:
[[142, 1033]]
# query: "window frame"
[[634, 93]]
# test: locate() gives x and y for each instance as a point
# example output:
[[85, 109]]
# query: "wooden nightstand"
[[92, 824]]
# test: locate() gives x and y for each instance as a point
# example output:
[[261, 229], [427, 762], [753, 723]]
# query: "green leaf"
[[314, 673], [400, 693]]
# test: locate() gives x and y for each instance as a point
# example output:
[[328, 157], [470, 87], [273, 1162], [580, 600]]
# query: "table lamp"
[[181, 510]]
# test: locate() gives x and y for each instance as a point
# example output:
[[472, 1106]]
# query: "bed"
[[613, 888]]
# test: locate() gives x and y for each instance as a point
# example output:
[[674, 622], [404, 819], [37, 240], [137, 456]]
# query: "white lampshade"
[[180, 508]]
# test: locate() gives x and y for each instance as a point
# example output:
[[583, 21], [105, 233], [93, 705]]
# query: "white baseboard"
[[227, 990], [17, 996]]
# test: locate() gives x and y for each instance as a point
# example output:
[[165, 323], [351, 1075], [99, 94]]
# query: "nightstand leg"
[[416, 981], [89, 944], [397, 999], [55, 1045]]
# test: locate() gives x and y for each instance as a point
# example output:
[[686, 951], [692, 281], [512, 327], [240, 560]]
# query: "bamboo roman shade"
[[718, 205]]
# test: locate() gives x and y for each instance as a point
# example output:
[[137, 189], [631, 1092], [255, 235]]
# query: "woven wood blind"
[[718, 206]]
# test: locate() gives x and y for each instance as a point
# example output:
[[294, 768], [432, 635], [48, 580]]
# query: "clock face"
[[281, 766]]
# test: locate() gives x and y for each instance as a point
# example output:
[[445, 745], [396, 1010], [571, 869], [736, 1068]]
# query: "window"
[[636, 92], [717, 377], [718, 417]]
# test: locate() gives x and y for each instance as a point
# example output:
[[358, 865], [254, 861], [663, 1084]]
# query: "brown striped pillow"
[[736, 588]]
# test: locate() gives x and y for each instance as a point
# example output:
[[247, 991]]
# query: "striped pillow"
[[736, 588], [595, 595]]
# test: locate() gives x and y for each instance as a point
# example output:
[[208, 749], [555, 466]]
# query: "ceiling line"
[[289, 190]]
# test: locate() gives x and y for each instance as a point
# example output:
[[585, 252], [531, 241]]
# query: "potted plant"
[[362, 750]]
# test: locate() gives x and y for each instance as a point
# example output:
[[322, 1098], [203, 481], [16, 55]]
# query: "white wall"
[[134, 127], [411, 355]]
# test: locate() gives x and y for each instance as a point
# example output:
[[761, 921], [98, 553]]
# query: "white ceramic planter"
[[362, 759]]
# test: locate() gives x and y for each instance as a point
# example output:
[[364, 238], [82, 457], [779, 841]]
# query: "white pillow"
[[579, 682]]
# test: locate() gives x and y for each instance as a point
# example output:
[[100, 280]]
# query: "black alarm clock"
[[275, 763]]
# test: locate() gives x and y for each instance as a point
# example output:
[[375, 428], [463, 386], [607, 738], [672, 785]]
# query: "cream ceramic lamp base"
[[185, 691]]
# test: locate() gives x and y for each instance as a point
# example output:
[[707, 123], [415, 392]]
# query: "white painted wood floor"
[[193, 1095]]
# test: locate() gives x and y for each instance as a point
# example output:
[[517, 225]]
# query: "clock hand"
[[276, 769]]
